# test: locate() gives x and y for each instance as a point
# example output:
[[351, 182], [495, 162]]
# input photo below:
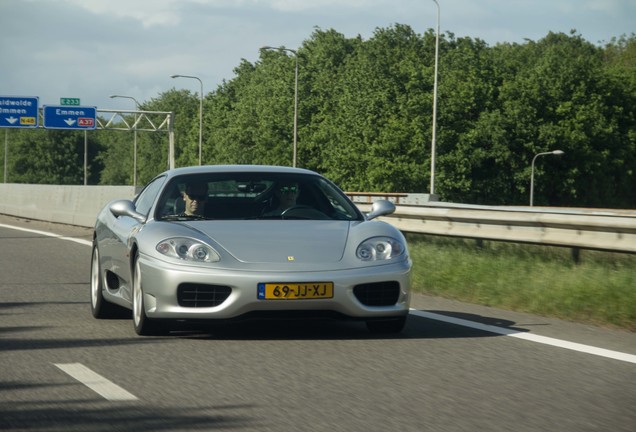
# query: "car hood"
[[274, 241]]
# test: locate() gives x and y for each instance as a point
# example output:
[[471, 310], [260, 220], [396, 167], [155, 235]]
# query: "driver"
[[286, 195]]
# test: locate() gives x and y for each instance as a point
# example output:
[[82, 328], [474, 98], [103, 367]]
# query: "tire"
[[143, 325], [391, 325], [100, 308]]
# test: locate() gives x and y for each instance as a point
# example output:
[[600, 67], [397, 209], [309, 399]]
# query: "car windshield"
[[254, 195]]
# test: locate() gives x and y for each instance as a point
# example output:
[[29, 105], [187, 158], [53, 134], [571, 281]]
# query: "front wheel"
[[144, 326], [390, 325], [100, 308]]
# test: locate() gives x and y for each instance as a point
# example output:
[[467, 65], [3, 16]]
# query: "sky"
[[91, 49]]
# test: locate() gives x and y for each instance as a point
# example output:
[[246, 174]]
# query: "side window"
[[147, 196]]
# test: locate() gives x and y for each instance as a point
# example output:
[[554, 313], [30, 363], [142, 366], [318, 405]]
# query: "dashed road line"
[[96, 382]]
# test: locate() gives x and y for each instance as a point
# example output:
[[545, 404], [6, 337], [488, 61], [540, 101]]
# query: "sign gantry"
[[24, 112]]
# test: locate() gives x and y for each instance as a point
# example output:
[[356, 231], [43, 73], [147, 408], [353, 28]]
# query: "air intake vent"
[[200, 295], [378, 294]]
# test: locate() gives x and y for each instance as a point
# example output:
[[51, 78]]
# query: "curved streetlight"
[[200, 112], [134, 137], [295, 97], [433, 141], [553, 152]]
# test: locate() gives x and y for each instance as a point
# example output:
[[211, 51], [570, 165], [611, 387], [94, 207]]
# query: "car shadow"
[[417, 327], [451, 324]]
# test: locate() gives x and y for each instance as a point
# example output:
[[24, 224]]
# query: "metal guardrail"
[[609, 230], [368, 197]]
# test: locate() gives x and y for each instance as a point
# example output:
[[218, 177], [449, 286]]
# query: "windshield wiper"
[[182, 217]]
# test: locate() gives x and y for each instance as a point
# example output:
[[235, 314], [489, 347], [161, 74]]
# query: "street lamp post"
[[200, 113], [433, 141], [295, 98], [134, 137], [553, 152]]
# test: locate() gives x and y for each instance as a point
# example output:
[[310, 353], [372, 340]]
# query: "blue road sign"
[[18, 112], [67, 117]]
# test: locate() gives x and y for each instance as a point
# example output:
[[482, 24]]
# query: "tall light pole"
[[553, 152], [433, 141], [295, 97], [200, 113], [134, 137]]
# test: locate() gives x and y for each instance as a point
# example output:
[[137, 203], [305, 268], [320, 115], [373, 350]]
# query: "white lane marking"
[[48, 234], [96, 382], [616, 355]]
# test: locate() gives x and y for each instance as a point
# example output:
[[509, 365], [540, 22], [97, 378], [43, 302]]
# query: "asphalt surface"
[[62, 370]]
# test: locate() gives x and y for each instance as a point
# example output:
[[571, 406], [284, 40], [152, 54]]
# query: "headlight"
[[188, 249], [380, 248]]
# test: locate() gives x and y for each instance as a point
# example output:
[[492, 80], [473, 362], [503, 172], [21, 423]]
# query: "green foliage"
[[376, 126], [51, 157], [365, 120]]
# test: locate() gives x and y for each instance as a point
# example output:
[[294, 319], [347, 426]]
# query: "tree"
[[252, 114], [558, 99], [53, 157], [378, 118], [473, 150], [116, 157], [323, 59]]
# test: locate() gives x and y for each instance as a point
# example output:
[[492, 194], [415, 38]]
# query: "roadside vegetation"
[[599, 289]]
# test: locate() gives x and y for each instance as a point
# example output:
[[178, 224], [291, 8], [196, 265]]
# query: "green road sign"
[[70, 101]]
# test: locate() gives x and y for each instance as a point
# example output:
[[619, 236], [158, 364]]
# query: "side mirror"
[[126, 208], [380, 208]]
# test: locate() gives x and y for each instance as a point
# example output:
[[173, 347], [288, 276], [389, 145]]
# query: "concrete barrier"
[[73, 205]]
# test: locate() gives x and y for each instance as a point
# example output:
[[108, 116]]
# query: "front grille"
[[378, 293], [200, 295]]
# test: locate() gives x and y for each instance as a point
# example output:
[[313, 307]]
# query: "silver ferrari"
[[247, 242]]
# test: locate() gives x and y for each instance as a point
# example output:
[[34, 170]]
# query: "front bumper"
[[160, 281]]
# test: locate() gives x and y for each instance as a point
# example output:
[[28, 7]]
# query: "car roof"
[[207, 169]]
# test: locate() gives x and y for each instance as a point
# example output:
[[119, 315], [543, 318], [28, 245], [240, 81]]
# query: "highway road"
[[456, 367]]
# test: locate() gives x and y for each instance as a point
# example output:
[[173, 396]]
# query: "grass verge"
[[600, 289]]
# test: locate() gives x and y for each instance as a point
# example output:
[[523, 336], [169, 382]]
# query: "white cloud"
[[302, 5], [148, 12], [609, 7]]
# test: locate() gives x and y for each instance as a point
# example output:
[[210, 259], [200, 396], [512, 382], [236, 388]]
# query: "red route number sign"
[[85, 122]]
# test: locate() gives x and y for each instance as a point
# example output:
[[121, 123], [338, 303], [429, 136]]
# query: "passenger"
[[195, 197]]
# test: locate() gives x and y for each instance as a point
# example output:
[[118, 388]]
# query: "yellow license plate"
[[295, 291]]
